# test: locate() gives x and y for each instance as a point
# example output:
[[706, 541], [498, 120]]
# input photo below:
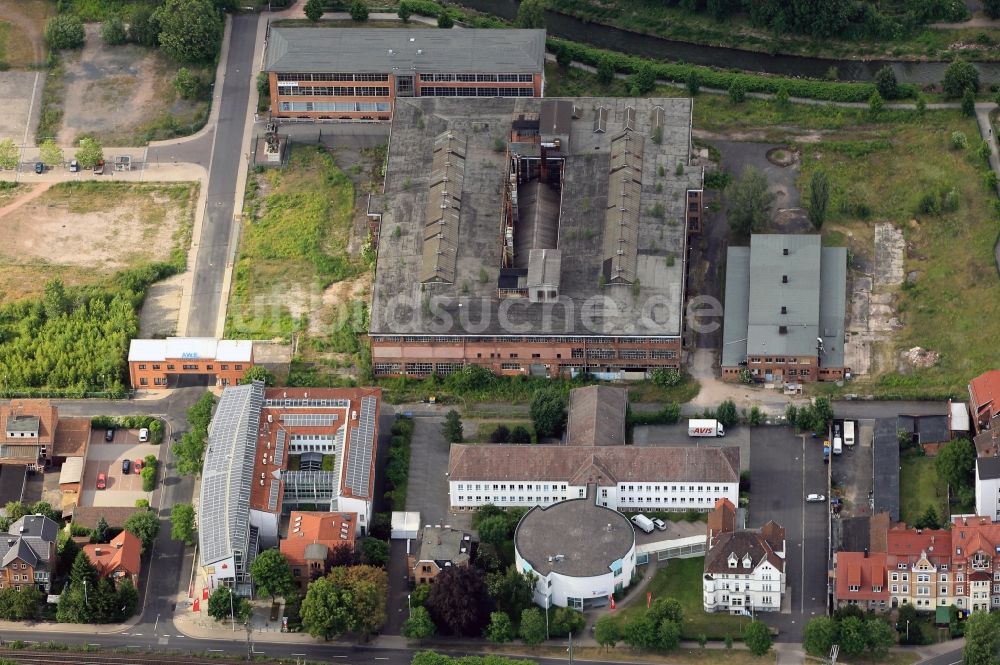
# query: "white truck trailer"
[[643, 523], [705, 427]]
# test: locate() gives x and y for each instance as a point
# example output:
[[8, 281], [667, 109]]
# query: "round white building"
[[580, 553]]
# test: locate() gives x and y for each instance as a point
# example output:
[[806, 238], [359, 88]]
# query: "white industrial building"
[[580, 553], [988, 487]]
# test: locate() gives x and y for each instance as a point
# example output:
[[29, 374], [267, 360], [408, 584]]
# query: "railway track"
[[39, 657]]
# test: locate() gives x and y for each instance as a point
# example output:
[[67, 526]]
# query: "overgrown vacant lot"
[[909, 174], [294, 247], [82, 233], [22, 23]]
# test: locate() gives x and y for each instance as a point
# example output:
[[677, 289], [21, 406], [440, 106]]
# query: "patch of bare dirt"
[[25, 43], [339, 303]]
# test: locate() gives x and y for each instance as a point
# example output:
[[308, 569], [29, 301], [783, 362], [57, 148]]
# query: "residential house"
[[918, 568], [988, 487], [28, 553], [984, 399], [440, 548], [744, 568], [861, 580], [312, 540], [118, 559]]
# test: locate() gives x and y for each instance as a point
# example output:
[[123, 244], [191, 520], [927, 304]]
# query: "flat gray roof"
[[780, 270], [587, 305], [387, 50], [582, 538]]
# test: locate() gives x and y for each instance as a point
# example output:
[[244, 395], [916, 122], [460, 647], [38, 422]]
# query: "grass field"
[[297, 225], [883, 173], [21, 25], [920, 488], [681, 580]]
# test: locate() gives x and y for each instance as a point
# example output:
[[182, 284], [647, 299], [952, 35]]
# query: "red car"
[[137, 465], [102, 481]]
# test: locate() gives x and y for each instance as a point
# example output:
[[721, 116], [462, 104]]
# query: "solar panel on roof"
[[272, 497], [279, 447], [308, 419], [359, 455]]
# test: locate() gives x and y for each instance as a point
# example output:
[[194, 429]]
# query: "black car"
[[109, 435], [126, 466], [39, 167]]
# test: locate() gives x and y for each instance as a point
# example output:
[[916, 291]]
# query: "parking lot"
[[852, 472], [784, 468], [104, 457], [677, 435]]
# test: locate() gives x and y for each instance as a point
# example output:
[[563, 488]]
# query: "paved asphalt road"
[[783, 470], [218, 229], [950, 658]]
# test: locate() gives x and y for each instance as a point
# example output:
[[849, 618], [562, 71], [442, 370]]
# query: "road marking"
[[381, 658], [298, 654], [220, 651], [92, 644], [133, 646], [136, 634]]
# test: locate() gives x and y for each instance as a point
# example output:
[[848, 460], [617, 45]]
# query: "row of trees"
[[87, 598], [15, 510], [814, 417], [852, 631], [188, 31], [397, 471], [190, 450]]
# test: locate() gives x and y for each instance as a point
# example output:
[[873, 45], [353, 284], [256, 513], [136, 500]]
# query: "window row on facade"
[[191, 366], [505, 339], [291, 76], [481, 78], [451, 91], [336, 107], [332, 91]]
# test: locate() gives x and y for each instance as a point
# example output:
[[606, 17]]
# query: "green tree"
[[51, 154], [89, 152], [113, 32], [881, 637], [737, 90], [532, 626], [258, 373], [359, 11], [83, 571], [875, 104], [128, 599], [606, 631], [929, 520], [959, 77], [375, 551], [781, 99], [668, 635], [750, 202], [182, 523], [886, 83], [221, 604], [727, 413], [314, 10], [148, 475], [452, 428], [143, 28], [853, 636], [563, 57], [530, 14], [326, 610], [982, 639], [819, 198], [819, 635], [190, 30], [756, 416], [512, 591], [757, 637], [520, 434], [10, 154], [404, 12], [64, 31], [419, 626], [188, 84], [968, 103], [605, 70], [565, 621], [366, 588], [641, 632], [73, 605], [644, 79], [271, 574], [494, 530], [548, 413], [459, 602], [45, 508], [500, 629], [991, 8], [145, 526], [956, 463], [445, 21], [666, 609], [101, 530], [501, 434], [693, 83]]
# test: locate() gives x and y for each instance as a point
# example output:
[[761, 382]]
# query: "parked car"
[[143, 435], [815, 498], [137, 466], [99, 169], [74, 166], [102, 481], [659, 524], [126, 466], [109, 435], [39, 167]]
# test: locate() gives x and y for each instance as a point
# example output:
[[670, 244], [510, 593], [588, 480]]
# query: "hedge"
[[668, 415], [154, 425], [711, 77]]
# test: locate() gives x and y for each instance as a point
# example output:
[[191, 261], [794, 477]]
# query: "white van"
[[848, 433], [838, 445], [143, 435]]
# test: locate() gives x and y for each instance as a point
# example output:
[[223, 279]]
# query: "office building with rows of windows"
[[352, 74]]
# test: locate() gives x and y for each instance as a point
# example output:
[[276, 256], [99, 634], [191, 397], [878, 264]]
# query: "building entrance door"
[[404, 85]]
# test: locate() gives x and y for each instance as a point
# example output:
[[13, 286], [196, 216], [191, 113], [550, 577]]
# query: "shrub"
[[969, 103], [187, 84], [737, 91], [605, 68], [445, 21], [64, 31], [314, 10], [693, 83], [113, 32], [404, 12], [886, 83], [959, 141], [359, 11], [959, 77]]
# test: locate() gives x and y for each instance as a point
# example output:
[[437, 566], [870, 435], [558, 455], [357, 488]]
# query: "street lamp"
[[86, 601], [232, 613]]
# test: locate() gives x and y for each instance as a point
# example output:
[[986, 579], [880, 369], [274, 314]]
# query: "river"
[[649, 46]]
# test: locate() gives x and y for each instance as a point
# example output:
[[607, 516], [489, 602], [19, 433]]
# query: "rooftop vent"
[[785, 251], [782, 330], [784, 279], [784, 310]]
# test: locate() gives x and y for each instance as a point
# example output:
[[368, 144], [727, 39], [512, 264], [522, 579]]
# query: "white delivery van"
[[838, 445], [705, 427], [643, 523], [848, 433]]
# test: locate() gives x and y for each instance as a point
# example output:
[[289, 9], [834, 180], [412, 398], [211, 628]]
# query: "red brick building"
[[349, 74], [159, 363], [312, 539], [118, 559], [28, 553], [984, 398]]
